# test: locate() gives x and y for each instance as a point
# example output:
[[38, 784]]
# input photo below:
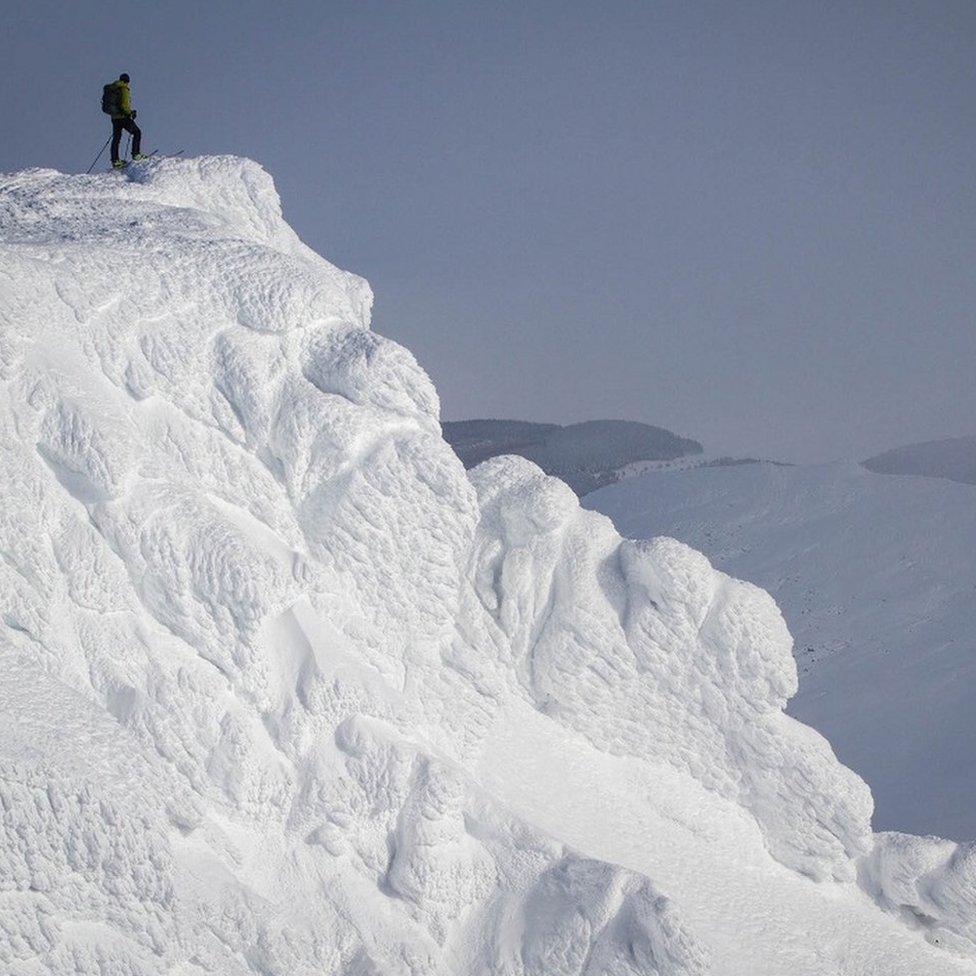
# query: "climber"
[[115, 102]]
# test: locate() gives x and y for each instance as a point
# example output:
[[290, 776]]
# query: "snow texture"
[[287, 692], [930, 882], [876, 577]]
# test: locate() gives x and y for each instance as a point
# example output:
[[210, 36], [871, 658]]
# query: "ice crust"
[[261, 635]]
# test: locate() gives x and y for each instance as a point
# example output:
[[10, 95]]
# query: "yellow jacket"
[[124, 105]]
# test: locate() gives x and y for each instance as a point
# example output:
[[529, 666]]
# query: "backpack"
[[110, 98]]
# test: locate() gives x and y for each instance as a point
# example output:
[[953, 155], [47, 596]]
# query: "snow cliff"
[[287, 692]]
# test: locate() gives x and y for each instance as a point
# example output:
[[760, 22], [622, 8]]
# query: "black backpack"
[[110, 98]]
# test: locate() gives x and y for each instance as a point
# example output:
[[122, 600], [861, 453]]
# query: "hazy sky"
[[753, 223]]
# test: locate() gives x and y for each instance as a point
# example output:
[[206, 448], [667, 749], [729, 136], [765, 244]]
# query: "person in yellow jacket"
[[116, 101]]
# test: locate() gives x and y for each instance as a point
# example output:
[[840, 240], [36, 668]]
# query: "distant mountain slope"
[[954, 458], [586, 456], [475, 441], [877, 581]]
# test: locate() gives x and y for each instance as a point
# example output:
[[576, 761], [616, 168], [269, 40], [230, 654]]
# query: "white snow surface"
[[876, 577], [287, 692]]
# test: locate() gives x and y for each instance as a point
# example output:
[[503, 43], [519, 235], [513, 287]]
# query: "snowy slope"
[[876, 577], [288, 692]]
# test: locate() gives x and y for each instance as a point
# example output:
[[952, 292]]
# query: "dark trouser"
[[117, 126]]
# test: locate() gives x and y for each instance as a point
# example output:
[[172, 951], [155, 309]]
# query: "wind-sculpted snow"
[[262, 637], [875, 576], [650, 652], [930, 882]]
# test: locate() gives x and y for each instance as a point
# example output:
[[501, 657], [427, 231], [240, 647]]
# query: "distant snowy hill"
[[954, 459], [586, 455], [876, 577], [288, 692]]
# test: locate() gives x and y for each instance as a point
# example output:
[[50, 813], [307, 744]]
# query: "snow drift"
[[282, 680]]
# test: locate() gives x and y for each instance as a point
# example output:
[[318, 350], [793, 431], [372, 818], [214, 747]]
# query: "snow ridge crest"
[[264, 638]]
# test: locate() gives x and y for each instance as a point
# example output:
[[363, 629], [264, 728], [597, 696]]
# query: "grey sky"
[[753, 223]]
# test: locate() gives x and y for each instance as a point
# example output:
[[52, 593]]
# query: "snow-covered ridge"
[[270, 654]]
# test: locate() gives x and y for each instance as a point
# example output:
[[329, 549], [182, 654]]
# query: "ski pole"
[[99, 156]]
